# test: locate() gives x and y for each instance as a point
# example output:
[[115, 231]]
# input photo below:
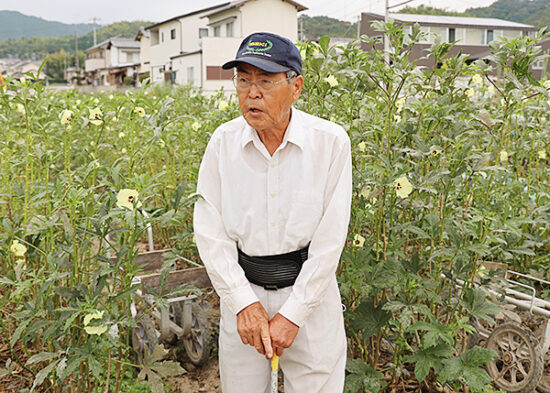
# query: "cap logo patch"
[[259, 46]]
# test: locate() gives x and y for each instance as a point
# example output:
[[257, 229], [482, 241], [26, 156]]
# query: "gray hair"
[[291, 74]]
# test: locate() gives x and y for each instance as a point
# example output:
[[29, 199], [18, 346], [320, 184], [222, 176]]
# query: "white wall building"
[[191, 48], [110, 61]]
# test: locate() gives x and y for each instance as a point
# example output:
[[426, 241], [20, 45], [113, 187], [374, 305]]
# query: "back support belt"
[[273, 271]]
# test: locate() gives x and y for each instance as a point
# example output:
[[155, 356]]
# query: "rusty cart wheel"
[[144, 338], [520, 362], [197, 340]]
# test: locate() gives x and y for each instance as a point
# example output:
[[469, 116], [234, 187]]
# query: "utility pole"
[[77, 64], [94, 20]]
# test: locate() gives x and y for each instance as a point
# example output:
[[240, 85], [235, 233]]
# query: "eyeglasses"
[[242, 83]]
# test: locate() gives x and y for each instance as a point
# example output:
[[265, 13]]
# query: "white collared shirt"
[[268, 205]]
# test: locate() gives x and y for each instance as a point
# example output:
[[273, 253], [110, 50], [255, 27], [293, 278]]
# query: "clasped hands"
[[267, 336]]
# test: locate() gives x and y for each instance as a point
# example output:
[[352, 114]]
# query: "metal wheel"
[[544, 384], [197, 341], [144, 338], [520, 363]]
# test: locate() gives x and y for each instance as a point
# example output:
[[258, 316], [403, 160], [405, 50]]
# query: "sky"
[[109, 11]]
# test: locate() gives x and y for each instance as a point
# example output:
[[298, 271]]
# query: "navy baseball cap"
[[269, 52]]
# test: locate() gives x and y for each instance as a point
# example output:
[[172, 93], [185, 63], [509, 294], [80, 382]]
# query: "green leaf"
[[168, 368], [476, 377], [324, 43], [422, 368], [452, 369], [43, 374], [478, 356], [41, 357], [369, 318], [475, 302]]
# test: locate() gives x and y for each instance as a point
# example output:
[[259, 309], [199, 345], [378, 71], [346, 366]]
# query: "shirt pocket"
[[306, 210]]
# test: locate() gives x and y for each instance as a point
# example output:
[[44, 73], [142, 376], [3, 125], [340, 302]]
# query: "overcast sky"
[[109, 11]]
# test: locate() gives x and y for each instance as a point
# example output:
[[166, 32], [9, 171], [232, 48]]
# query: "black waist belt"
[[273, 271]]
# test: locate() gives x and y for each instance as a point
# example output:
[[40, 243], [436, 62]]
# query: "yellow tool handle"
[[275, 362]]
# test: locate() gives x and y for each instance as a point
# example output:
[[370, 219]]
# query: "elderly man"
[[271, 225]]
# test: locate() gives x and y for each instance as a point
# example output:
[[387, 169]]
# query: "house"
[[113, 62], [191, 48], [472, 35], [17, 68]]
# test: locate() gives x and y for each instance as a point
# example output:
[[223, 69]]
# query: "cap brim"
[[262, 64]]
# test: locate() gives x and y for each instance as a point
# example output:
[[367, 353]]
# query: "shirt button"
[[272, 195]]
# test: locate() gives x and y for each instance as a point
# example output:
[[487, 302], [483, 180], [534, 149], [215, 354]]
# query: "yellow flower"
[[162, 144], [332, 119], [99, 329], [303, 53], [223, 105], [196, 125], [403, 187], [126, 198], [434, 150], [121, 134], [331, 80], [95, 315], [111, 96], [542, 154], [399, 104], [397, 118], [503, 156], [66, 116], [20, 108], [358, 240], [477, 79], [362, 147], [92, 143], [123, 150], [140, 111], [469, 93], [18, 249], [365, 192], [95, 116], [96, 101], [78, 102]]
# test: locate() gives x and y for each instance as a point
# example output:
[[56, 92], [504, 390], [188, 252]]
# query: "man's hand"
[[253, 327], [283, 332]]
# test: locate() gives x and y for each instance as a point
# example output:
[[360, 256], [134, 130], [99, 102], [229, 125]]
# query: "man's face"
[[267, 110]]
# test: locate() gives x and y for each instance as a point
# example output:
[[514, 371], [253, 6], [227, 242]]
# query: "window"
[[217, 31], [191, 75], [173, 34], [452, 34], [229, 29], [538, 65], [490, 36], [217, 73], [203, 32], [154, 37]]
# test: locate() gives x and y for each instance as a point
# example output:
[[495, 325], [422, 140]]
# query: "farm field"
[[451, 172]]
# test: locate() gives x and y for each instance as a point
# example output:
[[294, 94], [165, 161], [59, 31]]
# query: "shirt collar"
[[293, 134]]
